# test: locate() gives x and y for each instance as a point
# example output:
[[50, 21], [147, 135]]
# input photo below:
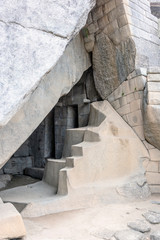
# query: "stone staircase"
[[106, 153]]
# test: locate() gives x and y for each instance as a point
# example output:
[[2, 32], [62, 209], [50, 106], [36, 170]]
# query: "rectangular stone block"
[[130, 98], [138, 95], [123, 101], [154, 189], [122, 20], [153, 86], [109, 6], [124, 110], [97, 13], [102, 2], [136, 105], [125, 88], [153, 98], [139, 131], [125, 32], [92, 28], [153, 178], [153, 77], [111, 27], [135, 118], [154, 154], [152, 167], [116, 104], [102, 22]]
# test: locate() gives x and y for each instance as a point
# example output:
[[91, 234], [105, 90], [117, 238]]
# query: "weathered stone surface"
[[151, 122], [152, 217], [104, 234], [140, 226], [155, 235], [125, 58], [136, 187], [112, 64], [11, 223], [33, 38], [104, 66], [55, 84], [129, 235]]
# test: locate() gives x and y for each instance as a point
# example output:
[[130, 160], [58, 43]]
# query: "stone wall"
[[123, 38]]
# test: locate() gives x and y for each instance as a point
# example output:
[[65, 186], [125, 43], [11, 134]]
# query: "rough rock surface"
[[152, 217], [104, 234], [11, 223], [155, 235], [152, 115], [33, 38], [53, 85], [136, 187], [129, 235], [140, 226], [112, 64]]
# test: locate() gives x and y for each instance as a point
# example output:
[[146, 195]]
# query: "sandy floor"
[[86, 224]]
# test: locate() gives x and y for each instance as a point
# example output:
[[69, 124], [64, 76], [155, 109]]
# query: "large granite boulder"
[[111, 63], [34, 34]]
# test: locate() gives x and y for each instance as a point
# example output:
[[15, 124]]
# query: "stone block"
[[135, 118], [153, 86], [93, 27], [138, 95], [118, 92], [153, 178], [140, 82], [125, 88], [116, 104], [155, 189], [102, 2], [122, 20], [152, 167], [124, 110], [89, 38], [111, 27], [153, 98], [139, 131], [109, 6], [118, 2], [112, 15], [116, 37], [154, 154], [89, 20], [123, 101], [102, 22], [125, 32], [11, 223], [153, 77], [130, 98], [34, 172], [97, 13], [136, 105], [111, 97], [89, 46]]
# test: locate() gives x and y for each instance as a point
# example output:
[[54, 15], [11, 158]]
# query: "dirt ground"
[[88, 224]]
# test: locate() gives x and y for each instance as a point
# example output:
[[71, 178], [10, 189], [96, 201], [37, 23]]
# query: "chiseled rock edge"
[[53, 85], [33, 38]]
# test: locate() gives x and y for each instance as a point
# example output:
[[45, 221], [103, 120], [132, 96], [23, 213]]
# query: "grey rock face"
[[129, 235], [140, 226], [104, 66], [112, 64], [152, 217], [155, 235], [33, 38], [104, 234], [136, 188]]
